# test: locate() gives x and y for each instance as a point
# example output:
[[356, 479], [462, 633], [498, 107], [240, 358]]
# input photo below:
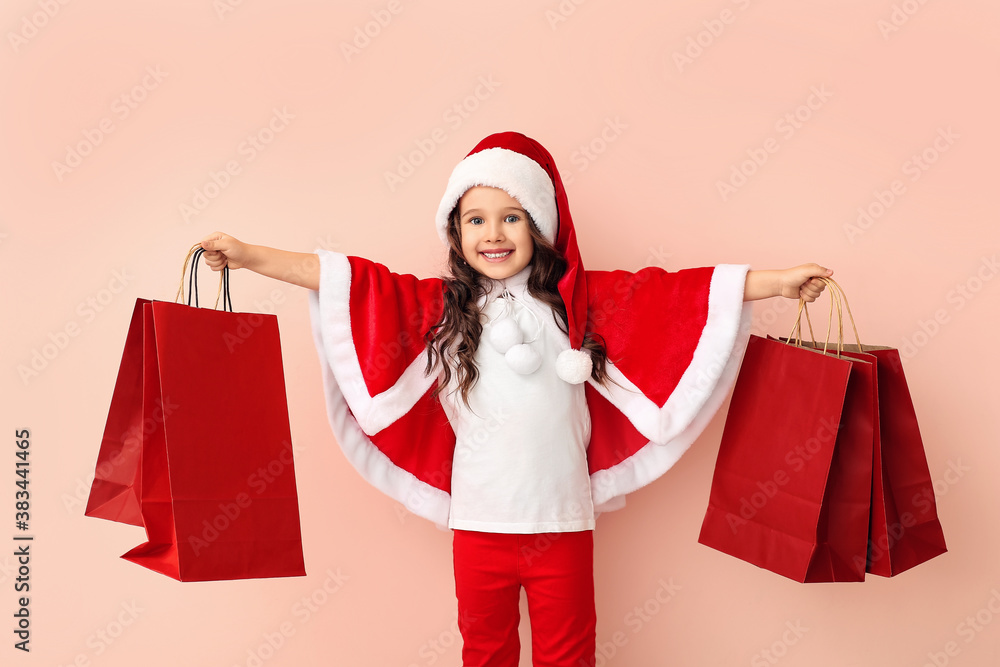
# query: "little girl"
[[521, 395]]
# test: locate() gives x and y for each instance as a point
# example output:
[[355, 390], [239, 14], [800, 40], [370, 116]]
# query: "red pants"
[[557, 572]]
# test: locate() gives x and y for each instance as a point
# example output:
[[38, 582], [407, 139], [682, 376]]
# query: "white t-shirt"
[[520, 461]]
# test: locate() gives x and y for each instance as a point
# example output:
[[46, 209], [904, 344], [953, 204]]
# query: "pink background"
[[898, 80]]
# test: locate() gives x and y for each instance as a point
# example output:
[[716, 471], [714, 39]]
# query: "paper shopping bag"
[[114, 494], [792, 483], [905, 530], [912, 533], [198, 440]]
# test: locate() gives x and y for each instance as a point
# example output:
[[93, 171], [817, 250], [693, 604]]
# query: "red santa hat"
[[523, 168]]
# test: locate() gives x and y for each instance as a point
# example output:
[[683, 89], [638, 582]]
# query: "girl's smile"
[[498, 255]]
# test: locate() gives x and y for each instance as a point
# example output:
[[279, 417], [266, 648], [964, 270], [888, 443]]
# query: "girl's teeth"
[[496, 255]]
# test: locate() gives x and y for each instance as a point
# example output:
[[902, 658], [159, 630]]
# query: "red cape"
[[675, 341]]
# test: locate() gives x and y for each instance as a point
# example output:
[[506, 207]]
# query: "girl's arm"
[[798, 282], [297, 268]]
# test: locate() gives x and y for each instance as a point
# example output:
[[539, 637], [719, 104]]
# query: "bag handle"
[[797, 327], [194, 254], [838, 297]]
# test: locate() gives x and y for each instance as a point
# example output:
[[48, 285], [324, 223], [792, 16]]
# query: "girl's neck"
[[517, 282]]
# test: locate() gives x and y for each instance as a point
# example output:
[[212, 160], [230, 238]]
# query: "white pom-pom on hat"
[[574, 366], [523, 359]]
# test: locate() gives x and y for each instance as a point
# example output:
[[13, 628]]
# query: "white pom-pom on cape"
[[523, 359], [574, 366], [505, 334]]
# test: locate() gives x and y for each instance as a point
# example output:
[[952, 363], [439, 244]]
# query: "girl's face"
[[496, 241]]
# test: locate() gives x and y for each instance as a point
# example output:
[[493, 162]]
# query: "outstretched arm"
[[798, 282], [297, 268]]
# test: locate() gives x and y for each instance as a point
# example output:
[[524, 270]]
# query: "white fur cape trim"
[[701, 390], [373, 413], [346, 392]]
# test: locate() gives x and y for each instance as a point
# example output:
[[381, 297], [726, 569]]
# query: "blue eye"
[[475, 221], [512, 215]]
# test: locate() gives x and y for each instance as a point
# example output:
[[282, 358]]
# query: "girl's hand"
[[222, 250], [802, 282]]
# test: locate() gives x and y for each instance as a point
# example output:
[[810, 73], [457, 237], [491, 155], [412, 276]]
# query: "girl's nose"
[[494, 231]]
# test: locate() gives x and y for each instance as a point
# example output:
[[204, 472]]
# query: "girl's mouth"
[[496, 256]]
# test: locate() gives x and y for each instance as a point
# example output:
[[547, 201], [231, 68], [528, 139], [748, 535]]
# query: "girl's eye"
[[510, 217]]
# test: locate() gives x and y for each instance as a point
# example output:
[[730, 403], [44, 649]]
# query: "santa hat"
[[523, 168]]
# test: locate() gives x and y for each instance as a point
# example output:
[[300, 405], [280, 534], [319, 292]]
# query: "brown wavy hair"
[[458, 331]]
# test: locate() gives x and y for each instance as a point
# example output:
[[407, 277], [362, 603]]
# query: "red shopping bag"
[[197, 446], [114, 495], [904, 530], [792, 484]]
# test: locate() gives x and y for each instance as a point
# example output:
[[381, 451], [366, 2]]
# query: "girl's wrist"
[[776, 284], [252, 257], [762, 285]]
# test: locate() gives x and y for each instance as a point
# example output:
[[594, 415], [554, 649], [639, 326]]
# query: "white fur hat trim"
[[521, 177]]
